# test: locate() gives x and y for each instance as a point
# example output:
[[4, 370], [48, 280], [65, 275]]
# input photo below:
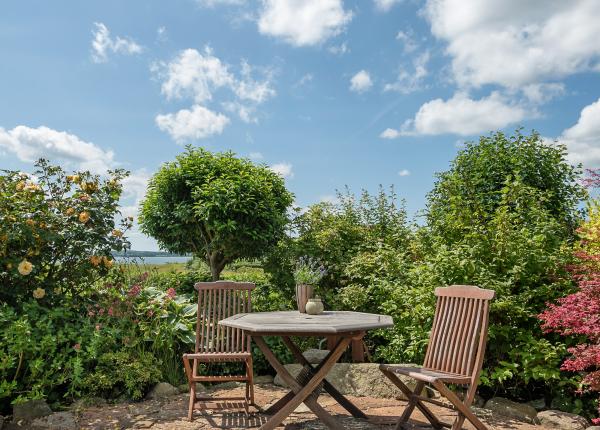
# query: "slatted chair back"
[[458, 337], [216, 301]]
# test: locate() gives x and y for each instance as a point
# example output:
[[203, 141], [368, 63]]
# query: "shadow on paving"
[[171, 414]]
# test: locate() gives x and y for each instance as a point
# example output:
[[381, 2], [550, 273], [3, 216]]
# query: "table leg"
[[339, 397], [302, 393]]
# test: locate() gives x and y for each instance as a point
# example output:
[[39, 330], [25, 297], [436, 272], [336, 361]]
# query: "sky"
[[327, 93]]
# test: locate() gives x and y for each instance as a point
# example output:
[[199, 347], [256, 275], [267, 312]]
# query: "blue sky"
[[327, 92]]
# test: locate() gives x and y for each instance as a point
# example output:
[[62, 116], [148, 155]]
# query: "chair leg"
[[462, 408], [410, 407], [412, 402], [468, 401], [192, 401], [192, 384]]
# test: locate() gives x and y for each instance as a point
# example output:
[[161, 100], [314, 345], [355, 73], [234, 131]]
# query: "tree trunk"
[[217, 263]]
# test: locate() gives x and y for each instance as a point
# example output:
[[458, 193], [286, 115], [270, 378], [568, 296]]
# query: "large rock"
[[538, 404], [30, 410], [357, 379], [508, 408], [263, 379], [162, 390], [56, 421], [562, 420], [315, 356]]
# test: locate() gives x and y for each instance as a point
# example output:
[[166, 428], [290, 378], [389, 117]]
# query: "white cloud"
[[410, 81], [514, 43], [251, 90], [283, 169], [197, 76], [385, 5], [103, 44], [161, 33], [404, 172], [543, 92], [244, 112], [328, 198], [256, 156], [390, 133], [305, 79], [408, 42], [340, 49], [361, 82], [197, 123], [194, 75], [30, 144], [303, 22], [461, 115], [583, 139]]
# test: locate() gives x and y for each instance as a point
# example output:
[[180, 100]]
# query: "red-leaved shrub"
[[579, 314]]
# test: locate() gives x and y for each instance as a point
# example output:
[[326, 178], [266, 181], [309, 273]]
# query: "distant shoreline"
[[134, 254]]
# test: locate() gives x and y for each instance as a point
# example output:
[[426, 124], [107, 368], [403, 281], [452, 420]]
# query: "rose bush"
[[57, 232]]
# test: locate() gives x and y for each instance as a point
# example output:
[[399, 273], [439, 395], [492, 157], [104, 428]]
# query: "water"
[[153, 260]]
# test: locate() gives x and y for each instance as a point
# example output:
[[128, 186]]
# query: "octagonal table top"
[[295, 323]]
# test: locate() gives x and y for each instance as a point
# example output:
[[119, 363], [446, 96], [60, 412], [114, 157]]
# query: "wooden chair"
[[216, 344], [454, 355]]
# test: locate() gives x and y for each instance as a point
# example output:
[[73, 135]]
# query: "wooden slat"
[[458, 320]]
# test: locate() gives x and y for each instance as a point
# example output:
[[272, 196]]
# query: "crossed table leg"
[[307, 391]]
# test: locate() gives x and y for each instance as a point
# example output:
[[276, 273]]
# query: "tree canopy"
[[216, 206]]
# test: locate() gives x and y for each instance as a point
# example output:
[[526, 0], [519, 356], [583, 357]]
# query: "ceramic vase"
[[314, 306], [303, 293]]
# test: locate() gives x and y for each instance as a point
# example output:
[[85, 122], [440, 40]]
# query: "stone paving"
[[170, 414]]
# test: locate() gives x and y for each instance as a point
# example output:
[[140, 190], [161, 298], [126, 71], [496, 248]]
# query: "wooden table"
[[346, 326]]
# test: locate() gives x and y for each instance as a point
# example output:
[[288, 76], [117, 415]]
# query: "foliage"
[[503, 218], [56, 231], [40, 352], [578, 314], [308, 271], [216, 206], [121, 373], [469, 193], [334, 233]]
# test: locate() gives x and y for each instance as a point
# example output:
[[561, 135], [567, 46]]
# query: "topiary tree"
[[217, 206]]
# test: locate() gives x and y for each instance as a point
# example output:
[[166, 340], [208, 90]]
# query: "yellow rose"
[[95, 260], [70, 211], [32, 187], [39, 293], [117, 233], [74, 178], [84, 217], [30, 222], [107, 262], [25, 267], [20, 185], [89, 187]]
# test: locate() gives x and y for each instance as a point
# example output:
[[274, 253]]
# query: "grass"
[[157, 268]]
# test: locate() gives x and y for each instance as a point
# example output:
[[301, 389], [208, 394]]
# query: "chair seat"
[[426, 375], [210, 357]]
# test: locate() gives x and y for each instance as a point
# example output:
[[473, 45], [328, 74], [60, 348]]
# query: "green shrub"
[[123, 374], [44, 353]]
